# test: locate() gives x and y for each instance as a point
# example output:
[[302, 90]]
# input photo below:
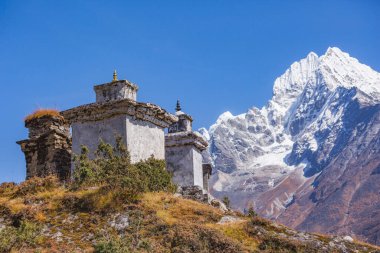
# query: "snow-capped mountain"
[[309, 140]]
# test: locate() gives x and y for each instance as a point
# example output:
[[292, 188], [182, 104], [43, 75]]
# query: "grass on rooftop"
[[39, 113]]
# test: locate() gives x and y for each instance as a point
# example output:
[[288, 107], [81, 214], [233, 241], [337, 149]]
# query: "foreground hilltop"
[[41, 215]]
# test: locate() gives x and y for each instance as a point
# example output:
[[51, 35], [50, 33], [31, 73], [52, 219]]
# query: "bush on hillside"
[[111, 169], [226, 201], [251, 211], [112, 245], [27, 234]]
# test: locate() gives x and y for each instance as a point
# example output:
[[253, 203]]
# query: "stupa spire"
[[178, 106], [114, 76]]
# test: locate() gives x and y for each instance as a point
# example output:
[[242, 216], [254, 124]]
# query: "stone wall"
[[140, 125], [207, 170], [180, 162], [184, 158], [197, 167], [116, 90], [90, 133], [143, 139], [48, 149]]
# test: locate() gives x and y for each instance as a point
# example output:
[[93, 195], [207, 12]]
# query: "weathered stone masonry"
[[48, 149]]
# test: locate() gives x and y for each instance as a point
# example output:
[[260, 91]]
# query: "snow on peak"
[[204, 132], [291, 84], [298, 130], [340, 69], [335, 69], [222, 118], [336, 51]]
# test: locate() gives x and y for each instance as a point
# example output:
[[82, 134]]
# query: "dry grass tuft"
[[238, 232], [172, 209], [367, 245], [42, 113], [35, 185]]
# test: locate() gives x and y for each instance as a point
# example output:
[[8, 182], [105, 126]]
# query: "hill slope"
[[40, 215]]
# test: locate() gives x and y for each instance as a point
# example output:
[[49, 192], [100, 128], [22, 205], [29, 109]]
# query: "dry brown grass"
[[172, 209], [190, 219], [237, 231], [161, 221], [367, 245], [322, 237], [39, 113]]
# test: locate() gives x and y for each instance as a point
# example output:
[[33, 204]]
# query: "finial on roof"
[[178, 107], [114, 76]]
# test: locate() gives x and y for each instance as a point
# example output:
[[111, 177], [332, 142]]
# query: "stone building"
[[116, 113], [183, 153], [48, 149]]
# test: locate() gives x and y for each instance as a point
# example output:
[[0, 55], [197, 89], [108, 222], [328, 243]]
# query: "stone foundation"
[[193, 192]]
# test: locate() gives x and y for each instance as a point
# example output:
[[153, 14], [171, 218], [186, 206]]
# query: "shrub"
[[258, 221], [75, 203], [8, 238], [226, 201], [278, 244], [112, 171], [113, 244], [26, 234], [5, 211], [251, 211], [6, 188], [195, 238], [85, 170]]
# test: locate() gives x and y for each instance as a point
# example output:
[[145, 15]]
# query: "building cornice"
[[99, 111], [185, 138], [116, 83]]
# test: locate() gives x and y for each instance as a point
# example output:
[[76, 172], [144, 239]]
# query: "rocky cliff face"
[[310, 158]]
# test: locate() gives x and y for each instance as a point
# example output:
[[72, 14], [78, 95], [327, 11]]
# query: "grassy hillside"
[[115, 206], [40, 215]]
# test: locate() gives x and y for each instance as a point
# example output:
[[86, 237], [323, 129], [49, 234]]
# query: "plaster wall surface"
[[180, 160], [144, 139], [197, 168], [205, 181], [90, 133]]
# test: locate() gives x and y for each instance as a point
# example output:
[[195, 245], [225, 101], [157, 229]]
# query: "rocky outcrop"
[[194, 192]]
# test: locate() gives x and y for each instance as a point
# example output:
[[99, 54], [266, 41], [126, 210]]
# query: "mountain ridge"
[[321, 106]]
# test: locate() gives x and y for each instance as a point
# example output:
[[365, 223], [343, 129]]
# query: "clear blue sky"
[[213, 55]]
